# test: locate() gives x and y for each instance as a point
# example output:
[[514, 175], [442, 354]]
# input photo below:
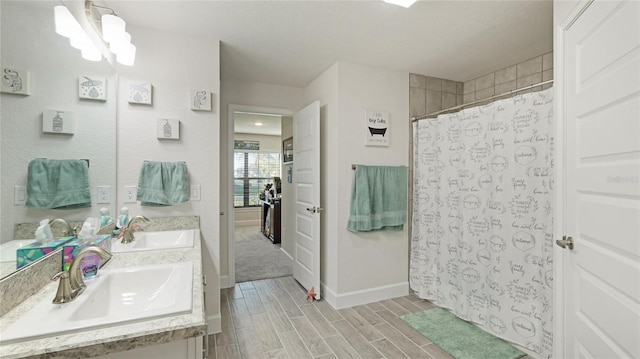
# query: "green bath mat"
[[462, 340]]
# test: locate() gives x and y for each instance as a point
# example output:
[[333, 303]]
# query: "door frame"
[[559, 319], [231, 109]]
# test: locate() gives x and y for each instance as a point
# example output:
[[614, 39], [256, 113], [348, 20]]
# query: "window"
[[251, 171]]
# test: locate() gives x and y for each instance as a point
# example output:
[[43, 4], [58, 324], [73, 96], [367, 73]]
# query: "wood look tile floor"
[[270, 318]]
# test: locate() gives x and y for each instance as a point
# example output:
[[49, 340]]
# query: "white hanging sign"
[[376, 128]]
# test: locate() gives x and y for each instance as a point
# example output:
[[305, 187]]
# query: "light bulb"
[[127, 57], [403, 3], [120, 43], [91, 53], [80, 40], [64, 21], [112, 27]]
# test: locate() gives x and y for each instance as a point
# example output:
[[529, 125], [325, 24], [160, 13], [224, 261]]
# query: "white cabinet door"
[[306, 179], [180, 349], [600, 279]]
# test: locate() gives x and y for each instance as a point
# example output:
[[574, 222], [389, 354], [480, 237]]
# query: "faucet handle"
[[64, 294]]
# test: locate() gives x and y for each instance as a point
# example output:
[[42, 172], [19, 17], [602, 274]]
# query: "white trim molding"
[[214, 324], [370, 295]]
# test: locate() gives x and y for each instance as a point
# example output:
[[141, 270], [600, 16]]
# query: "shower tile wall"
[[430, 94], [537, 69]]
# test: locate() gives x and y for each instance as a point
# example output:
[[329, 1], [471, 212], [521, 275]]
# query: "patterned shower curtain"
[[482, 235]]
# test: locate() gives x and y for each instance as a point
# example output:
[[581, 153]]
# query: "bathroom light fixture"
[[112, 29], [113, 32], [258, 124], [68, 26], [403, 3]]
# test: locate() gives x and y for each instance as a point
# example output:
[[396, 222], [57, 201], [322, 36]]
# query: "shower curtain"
[[482, 236]]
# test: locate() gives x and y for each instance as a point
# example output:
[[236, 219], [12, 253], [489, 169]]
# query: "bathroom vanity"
[[113, 335]]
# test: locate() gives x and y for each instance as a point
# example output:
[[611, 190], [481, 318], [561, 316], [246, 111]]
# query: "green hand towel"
[[163, 183], [378, 199], [58, 184]]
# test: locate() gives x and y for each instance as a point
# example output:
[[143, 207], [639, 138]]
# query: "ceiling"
[[290, 43], [244, 122]]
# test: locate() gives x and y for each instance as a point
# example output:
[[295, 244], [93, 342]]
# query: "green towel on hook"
[[58, 184], [163, 183], [378, 199]]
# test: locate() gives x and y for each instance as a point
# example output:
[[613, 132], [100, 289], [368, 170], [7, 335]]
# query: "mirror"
[[60, 80]]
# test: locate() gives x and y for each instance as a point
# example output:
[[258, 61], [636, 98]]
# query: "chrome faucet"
[[71, 283], [68, 231], [128, 229]]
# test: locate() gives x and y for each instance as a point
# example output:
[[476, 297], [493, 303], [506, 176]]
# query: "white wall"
[[29, 42], [175, 64], [247, 94], [359, 267]]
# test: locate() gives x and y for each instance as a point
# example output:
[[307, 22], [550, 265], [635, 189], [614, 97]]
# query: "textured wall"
[[429, 94], [29, 42], [529, 72], [175, 64]]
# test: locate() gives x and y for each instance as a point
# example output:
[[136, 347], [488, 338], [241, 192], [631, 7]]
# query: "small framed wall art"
[[246, 145], [168, 129], [59, 122], [376, 128], [92, 88], [200, 100], [140, 93], [287, 151], [16, 81]]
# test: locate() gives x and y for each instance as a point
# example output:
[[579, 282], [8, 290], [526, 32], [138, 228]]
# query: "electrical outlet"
[[19, 195], [104, 194], [195, 192], [130, 194]]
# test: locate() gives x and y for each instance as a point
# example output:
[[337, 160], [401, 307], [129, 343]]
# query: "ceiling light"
[[120, 43], [128, 56], [257, 123], [403, 3], [64, 21], [68, 26], [112, 28]]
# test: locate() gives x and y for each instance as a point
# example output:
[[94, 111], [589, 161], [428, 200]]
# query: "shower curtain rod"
[[422, 117]]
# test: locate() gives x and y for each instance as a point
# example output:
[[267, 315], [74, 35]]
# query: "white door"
[[601, 274], [306, 179]]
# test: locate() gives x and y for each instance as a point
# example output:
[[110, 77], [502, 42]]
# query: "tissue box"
[[34, 251], [90, 263]]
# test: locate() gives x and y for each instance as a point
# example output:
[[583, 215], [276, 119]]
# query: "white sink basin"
[[146, 241], [8, 250], [116, 296]]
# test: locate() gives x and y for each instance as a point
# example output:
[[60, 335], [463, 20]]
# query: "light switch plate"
[[195, 192], [19, 195]]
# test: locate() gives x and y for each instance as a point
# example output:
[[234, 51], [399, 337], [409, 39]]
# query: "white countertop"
[[119, 337]]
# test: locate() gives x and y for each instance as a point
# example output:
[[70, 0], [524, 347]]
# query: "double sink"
[[117, 295]]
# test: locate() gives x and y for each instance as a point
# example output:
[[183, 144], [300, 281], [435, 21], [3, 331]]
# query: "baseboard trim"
[[285, 252], [350, 299], [214, 324], [225, 282], [247, 223]]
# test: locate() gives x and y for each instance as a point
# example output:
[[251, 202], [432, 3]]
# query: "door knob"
[[565, 242]]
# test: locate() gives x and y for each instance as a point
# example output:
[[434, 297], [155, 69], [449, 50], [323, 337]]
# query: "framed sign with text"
[[376, 128]]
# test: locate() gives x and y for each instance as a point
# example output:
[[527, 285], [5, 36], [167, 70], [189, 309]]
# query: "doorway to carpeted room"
[[257, 258]]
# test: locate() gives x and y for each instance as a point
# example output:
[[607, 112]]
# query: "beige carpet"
[[257, 258]]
